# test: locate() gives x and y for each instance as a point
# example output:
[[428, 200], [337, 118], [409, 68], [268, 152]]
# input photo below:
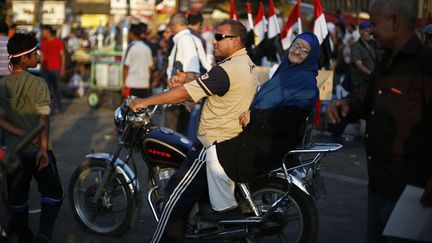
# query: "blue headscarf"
[[292, 85]]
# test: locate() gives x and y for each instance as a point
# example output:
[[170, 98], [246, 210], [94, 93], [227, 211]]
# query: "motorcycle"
[[105, 195]]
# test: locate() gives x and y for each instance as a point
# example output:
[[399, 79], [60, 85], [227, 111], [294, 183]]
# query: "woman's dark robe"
[[277, 118]]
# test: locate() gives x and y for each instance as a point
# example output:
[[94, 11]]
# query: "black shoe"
[[229, 214], [41, 238]]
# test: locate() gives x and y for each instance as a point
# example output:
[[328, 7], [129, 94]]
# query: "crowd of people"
[[385, 81]]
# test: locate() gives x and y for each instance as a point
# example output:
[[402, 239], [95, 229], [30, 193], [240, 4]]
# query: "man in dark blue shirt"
[[397, 106]]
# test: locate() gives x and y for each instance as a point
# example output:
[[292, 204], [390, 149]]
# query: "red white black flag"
[[250, 40], [233, 12], [274, 38], [260, 25], [292, 27], [320, 26]]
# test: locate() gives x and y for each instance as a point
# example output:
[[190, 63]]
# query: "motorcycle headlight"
[[118, 120]]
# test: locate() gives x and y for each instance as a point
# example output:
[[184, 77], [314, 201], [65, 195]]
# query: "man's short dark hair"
[[135, 29], [20, 42], [49, 28], [179, 19], [237, 29], [144, 27], [4, 29], [195, 18]]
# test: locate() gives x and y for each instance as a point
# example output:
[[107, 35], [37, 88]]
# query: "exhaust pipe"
[[227, 234]]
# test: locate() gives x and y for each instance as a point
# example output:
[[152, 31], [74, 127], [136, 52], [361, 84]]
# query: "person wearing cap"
[[362, 57], [397, 105], [24, 103], [270, 127], [427, 35]]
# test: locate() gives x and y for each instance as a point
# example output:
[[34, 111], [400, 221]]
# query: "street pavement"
[[79, 130]]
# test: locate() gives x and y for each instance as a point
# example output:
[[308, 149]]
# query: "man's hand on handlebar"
[[138, 104], [337, 110]]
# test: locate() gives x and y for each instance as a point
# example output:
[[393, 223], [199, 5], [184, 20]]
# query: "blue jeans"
[[53, 79]]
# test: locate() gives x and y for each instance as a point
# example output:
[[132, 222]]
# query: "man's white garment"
[[221, 187], [139, 59], [190, 53]]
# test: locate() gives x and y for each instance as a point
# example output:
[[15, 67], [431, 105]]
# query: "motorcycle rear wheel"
[[112, 213], [297, 217]]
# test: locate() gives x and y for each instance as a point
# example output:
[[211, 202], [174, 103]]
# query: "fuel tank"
[[166, 147]]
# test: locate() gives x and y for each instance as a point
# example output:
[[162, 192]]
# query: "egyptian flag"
[[292, 28], [250, 40], [320, 30], [260, 28], [260, 31], [320, 25], [233, 12], [274, 38]]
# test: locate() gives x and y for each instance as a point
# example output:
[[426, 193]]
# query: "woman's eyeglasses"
[[302, 50], [219, 37]]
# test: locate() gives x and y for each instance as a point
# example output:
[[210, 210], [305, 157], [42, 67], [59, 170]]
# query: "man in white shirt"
[[188, 50], [187, 56], [137, 65]]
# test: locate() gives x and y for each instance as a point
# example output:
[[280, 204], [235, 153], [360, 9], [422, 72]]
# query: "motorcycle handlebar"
[[149, 111]]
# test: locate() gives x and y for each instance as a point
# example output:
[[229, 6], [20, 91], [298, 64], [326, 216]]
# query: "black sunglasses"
[[219, 37]]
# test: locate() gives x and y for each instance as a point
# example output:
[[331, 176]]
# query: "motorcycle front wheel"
[[112, 213], [297, 217]]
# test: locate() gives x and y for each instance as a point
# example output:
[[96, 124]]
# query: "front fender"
[[121, 168]]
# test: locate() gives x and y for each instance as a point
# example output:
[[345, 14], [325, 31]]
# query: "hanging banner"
[[53, 13], [23, 12]]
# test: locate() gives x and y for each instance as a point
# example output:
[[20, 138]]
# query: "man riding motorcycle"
[[229, 88]]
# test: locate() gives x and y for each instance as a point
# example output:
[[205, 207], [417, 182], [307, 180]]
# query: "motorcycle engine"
[[163, 175]]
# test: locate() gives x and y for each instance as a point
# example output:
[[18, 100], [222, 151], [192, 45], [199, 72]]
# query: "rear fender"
[[296, 178]]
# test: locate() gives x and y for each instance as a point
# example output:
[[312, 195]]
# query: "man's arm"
[[63, 63], [42, 157], [44, 136], [174, 96], [125, 73], [362, 68], [8, 126], [350, 108]]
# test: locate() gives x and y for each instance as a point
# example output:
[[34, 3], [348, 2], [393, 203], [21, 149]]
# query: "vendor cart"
[[106, 79]]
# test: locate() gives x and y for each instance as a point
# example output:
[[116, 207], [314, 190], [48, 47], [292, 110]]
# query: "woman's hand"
[[244, 118]]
